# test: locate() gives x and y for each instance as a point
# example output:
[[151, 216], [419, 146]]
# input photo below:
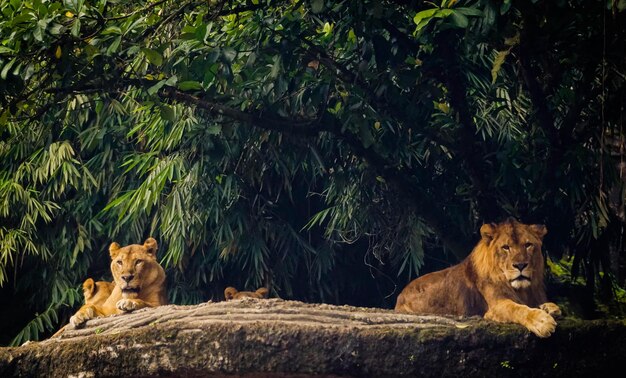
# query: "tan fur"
[[231, 293], [97, 292], [488, 284], [139, 282]]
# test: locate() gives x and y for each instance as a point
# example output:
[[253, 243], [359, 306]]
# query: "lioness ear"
[[262, 292], [487, 231], [151, 246], [113, 249], [539, 229], [88, 288], [229, 293]]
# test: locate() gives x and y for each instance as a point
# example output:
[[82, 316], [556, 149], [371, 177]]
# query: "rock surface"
[[277, 338]]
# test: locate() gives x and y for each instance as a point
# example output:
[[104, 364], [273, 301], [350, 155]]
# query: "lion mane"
[[139, 282], [501, 280]]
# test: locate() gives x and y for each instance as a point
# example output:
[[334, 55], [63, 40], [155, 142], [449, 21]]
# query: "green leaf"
[[156, 87], [6, 68], [459, 20], [469, 11], [424, 15], [38, 33], [76, 27], [214, 129], [153, 56], [167, 113], [115, 44], [317, 6], [6, 50], [189, 86], [506, 5], [229, 54], [171, 81], [276, 67]]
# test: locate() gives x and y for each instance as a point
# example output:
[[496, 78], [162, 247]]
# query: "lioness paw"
[[552, 309], [126, 305], [78, 320], [81, 317], [540, 323]]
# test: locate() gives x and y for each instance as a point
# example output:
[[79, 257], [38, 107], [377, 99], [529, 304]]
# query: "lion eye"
[[119, 262], [138, 262], [528, 246], [506, 247]]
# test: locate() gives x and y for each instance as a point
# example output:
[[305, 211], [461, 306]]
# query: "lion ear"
[[88, 288], [487, 231], [262, 291], [229, 293], [539, 229], [114, 249], [151, 246]]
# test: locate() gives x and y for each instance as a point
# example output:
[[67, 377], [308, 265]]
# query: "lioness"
[[97, 292], [502, 280], [232, 293], [139, 282]]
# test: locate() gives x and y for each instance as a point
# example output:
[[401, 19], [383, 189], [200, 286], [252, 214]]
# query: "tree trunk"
[[276, 338]]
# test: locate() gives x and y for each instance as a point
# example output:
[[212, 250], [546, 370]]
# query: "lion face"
[[134, 266], [516, 250]]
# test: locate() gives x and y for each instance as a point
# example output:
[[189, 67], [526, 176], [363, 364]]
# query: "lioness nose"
[[520, 266], [128, 277]]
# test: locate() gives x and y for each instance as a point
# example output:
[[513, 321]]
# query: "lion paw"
[[540, 323], [552, 309], [126, 305], [80, 318]]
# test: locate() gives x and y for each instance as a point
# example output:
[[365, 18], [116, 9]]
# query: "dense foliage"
[[326, 149]]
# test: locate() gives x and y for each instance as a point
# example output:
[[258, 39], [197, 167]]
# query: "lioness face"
[[517, 249], [130, 266]]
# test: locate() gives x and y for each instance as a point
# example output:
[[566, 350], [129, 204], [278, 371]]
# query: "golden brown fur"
[[97, 292], [231, 293], [502, 280], [139, 282]]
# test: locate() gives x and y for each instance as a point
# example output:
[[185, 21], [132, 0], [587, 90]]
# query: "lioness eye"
[[506, 247], [529, 246], [119, 262], [138, 262]]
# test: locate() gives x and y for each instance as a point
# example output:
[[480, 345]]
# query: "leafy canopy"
[[326, 149]]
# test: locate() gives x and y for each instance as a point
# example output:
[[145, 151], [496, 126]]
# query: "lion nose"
[[520, 266], [128, 277]]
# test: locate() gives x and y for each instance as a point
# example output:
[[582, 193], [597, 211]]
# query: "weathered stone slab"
[[276, 338]]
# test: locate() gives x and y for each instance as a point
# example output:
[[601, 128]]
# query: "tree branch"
[[398, 176]]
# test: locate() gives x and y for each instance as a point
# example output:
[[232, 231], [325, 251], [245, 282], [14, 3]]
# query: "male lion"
[[139, 282], [502, 280], [231, 293]]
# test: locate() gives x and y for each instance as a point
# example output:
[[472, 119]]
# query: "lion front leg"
[[129, 304], [552, 309], [83, 314], [537, 321]]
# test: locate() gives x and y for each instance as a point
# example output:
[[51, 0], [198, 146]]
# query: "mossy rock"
[[277, 338]]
